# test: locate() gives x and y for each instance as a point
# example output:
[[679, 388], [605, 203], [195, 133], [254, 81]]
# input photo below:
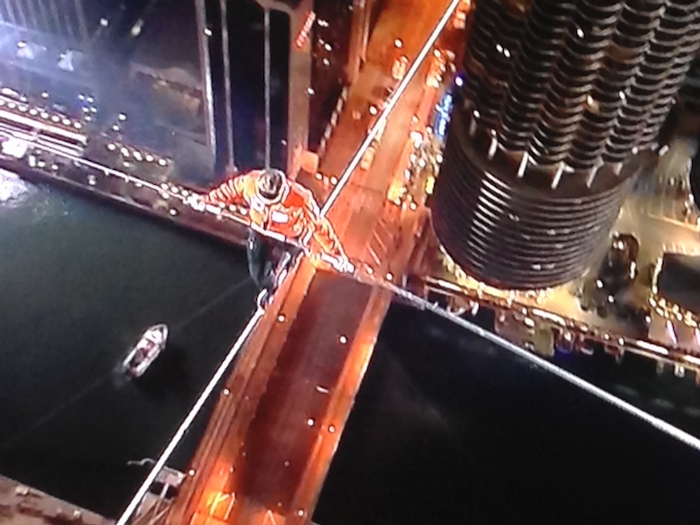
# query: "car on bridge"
[[398, 70]]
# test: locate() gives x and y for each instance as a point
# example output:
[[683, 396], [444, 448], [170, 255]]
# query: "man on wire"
[[282, 210]]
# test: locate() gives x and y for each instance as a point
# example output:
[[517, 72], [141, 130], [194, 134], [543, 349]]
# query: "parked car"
[[368, 157], [398, 70]]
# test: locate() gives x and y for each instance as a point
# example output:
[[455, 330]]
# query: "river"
[[449, 428], [79, 281], [446, 429]]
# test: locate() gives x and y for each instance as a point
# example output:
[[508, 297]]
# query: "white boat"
[[149, 346]]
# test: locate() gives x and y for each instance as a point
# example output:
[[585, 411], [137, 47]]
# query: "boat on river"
[[146, 350]]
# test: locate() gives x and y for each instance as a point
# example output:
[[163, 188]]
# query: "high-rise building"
[[562, 104], [49, 44], [314, 52], [691, 87], [63, 19], [232, 36]]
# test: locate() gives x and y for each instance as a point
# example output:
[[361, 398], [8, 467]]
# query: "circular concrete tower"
[[560, 110]]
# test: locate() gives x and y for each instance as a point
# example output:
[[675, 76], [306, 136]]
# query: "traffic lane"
[[351, 131], [347, 136], [237, 405], [395, 134], [342, 403], [375, 182], [278, 443], [353, 373]]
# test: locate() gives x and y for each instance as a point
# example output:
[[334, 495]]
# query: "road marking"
[[374, 255]]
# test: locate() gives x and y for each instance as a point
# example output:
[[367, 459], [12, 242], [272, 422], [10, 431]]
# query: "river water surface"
[[79, 281], [447, 428]]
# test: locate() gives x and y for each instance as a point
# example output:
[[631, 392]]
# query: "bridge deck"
[[292, 389], [272, 456]]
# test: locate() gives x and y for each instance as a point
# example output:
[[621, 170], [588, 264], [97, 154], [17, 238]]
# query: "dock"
[[22, 505]]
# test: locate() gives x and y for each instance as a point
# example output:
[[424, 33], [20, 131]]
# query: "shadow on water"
[[167, 376]]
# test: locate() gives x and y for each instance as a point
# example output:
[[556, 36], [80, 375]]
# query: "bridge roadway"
[[276, 425], [275, 429]]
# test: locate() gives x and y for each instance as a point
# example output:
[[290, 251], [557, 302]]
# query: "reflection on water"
[[79, 282], [14, 192]]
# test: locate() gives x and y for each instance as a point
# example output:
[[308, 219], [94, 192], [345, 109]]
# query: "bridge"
[[282, 409], [278, 422], [280, 413]]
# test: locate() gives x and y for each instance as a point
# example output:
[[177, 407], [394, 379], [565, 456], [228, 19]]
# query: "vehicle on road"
[[380, 98], [619, 268], [398, 70], [460, 20], [380, 132], [368, 157]]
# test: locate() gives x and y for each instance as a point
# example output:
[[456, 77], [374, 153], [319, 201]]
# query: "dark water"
[[446, 429], [79, 281], [450, 429]]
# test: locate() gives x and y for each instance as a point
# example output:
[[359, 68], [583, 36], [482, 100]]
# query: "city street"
[[349, 132]]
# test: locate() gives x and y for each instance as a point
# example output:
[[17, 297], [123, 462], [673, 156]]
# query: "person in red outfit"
[[284, 210]]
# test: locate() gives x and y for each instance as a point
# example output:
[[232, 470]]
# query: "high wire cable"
[[212, 303], [544, 364], [268, 131], [391, 104], [189, 419], [9, 443]]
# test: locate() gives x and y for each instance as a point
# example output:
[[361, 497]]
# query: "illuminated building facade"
[[65, 19], [231, 36], [237, 87], [560, 110], [53, 45], [44, 39]]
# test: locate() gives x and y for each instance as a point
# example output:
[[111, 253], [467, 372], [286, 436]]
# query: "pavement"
[[349, 133]]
